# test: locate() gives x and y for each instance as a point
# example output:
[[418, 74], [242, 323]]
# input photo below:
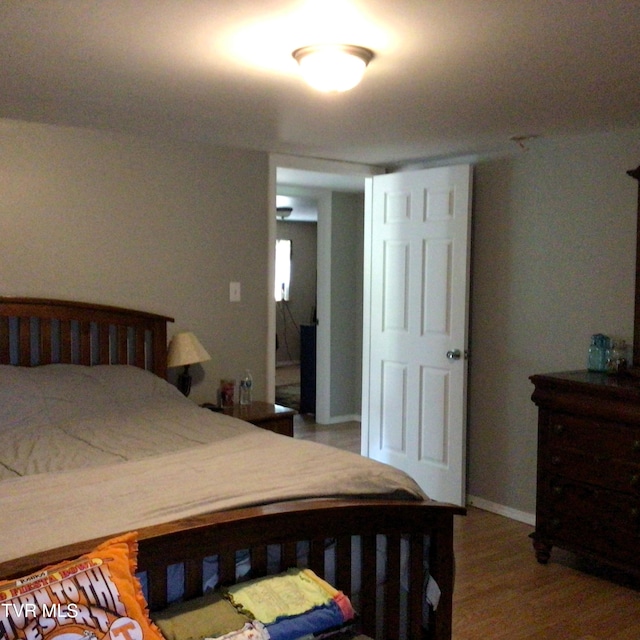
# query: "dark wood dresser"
[[588, 492]]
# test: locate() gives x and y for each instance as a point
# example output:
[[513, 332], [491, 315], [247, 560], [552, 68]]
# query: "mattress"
[[87, 452]]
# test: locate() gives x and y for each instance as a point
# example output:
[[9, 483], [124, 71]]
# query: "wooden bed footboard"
[[342, 538]]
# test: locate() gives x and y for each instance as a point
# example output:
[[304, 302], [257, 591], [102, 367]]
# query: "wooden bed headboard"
[[35, 331]]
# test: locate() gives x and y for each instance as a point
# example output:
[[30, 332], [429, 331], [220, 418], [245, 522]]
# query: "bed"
[[364, 525]]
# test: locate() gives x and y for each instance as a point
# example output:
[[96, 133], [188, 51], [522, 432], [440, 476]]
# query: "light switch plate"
[[234, 292]]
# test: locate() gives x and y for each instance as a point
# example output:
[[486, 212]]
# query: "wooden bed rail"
[[411, 525], [410, 530], [36, 331], [354, 527]]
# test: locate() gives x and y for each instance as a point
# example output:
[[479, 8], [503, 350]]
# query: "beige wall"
[[165, 227], [153, 225], [553, 262], [347, 256]]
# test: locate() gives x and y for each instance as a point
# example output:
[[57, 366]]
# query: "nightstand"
[[265, 415]]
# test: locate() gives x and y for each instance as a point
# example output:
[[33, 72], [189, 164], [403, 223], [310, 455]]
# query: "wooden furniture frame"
[[266, 415], [34, 332], [39, 331], [588, 478]]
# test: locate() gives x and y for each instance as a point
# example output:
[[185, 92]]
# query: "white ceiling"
[[449, 77]]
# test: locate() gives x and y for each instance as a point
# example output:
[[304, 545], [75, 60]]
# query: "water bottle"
[[246, 383]]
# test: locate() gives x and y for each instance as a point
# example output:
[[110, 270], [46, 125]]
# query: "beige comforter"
[[104, 478]]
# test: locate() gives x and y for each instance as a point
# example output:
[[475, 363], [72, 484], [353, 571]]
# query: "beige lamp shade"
[[185, 349]]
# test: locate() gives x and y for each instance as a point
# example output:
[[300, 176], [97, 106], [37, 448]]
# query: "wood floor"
[[502, 593]]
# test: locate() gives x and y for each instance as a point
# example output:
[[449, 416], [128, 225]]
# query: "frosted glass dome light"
[[333, 67]]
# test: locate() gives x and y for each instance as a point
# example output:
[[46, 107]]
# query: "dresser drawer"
[[592, 468], [608, 521], [601, 438]]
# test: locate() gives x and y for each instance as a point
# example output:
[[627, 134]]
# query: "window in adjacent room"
[[283, 269]]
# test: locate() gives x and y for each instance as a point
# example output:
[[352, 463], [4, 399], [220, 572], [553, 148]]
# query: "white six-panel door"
[[416, 324]]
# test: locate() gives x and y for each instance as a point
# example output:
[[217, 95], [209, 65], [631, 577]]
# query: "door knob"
[[454, 355]]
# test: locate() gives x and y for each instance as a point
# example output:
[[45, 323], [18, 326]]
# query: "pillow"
[[127, 383], [101, 384], [92, 597], [56, 393], [211, 615]]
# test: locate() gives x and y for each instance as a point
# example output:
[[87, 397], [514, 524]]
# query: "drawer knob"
[[634, 480], [555, 460], [558, 428], [634, 513], [636, 445], [557, 490]]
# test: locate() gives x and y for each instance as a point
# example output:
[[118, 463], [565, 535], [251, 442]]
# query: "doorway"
[[295, 293], [325, 181]]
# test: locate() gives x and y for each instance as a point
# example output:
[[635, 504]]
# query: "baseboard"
[[501, 510], [287, 363], [337, 419]]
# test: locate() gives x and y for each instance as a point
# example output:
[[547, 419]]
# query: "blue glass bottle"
[[598, 348]]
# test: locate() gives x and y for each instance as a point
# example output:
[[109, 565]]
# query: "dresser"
[[588, 473]]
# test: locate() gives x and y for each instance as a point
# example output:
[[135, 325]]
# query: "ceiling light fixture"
[[283, 212], [333, 67]]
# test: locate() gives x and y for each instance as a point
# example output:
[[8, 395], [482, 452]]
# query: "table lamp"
[[184, 350]]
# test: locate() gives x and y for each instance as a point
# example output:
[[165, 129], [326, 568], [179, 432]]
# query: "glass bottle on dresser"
[[597, 360]]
